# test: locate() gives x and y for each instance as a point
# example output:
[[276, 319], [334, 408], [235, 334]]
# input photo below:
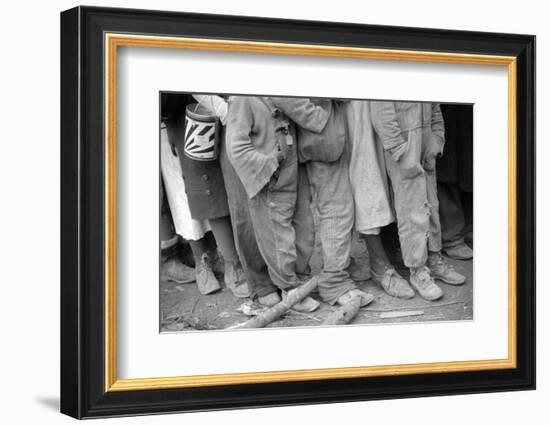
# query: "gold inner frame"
[[113, 41]]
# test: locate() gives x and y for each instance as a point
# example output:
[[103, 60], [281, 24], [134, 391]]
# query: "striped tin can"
[[202, 133]]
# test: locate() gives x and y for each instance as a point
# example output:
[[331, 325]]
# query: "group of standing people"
[[275, 174]]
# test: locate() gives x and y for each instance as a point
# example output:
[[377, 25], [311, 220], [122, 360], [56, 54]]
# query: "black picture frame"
[[83, 392]]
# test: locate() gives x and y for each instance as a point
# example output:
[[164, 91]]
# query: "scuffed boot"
[[459, 252], [365, 297], [307, 305], [393, 284], [444, 271], [206, 280], [422, 281], [235, 279], [270, 299], [174, 270]]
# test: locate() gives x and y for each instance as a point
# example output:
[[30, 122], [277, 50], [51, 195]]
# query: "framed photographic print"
[[261, 212]]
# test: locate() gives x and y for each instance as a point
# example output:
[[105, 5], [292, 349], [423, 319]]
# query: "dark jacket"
[[456, 164], [204, 183]]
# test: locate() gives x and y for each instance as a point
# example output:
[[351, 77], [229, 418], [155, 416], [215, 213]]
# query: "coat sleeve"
[[253, 167], [216, 104], [384, 121], [438, 126], [304, 112]]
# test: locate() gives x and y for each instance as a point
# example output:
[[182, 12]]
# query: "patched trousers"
[[243, 231], [283, 224], [415, 200]]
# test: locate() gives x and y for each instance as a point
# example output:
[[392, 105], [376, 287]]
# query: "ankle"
[[234, 263], [418, 269], [434, 255], [378, 264]]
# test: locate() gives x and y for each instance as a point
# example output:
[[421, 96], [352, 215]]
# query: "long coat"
[[369, 182]]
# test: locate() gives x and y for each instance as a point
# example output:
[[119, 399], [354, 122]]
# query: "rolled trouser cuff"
[[168, 243], [455, 242]]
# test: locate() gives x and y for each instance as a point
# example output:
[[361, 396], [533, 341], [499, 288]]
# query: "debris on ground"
[[271, 314], [396, 314], [180, 322], [184, 309], [250, 308]]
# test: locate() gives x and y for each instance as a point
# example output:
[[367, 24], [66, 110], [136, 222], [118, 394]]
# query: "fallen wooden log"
[[344, 314], [273, 313]]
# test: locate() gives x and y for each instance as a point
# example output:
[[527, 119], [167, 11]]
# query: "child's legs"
[[198, 248], [303, 223], [271, 211], [378, 258], [223, 232], [411, 206]]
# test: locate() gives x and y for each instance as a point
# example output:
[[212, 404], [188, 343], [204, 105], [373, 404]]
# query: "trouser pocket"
[[285, 179]]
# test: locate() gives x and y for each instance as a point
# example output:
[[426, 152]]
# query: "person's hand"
[[278, 155], [433, 150], [410, 166], [407, 156]]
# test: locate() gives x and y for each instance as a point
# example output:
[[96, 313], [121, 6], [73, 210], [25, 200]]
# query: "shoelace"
[[391, 282], [241, 277], [424, 276], [205, 262], [441, 262]]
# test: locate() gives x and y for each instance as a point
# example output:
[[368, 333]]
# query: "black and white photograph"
[[298, 212]]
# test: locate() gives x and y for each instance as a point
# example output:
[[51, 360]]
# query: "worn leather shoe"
[[174, 270], [270, 300], [366, 298], [443, 271], [422, 281], [235, 279], [393, 284], [206, 280], [459, 252], [307, 305]]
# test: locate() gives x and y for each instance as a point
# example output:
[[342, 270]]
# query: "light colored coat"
[[369, 182]]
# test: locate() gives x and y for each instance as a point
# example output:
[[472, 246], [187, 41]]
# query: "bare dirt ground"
[[183, 308]]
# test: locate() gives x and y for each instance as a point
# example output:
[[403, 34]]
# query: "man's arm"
[[215, 104], [304, 112], [384, 121], [253, 167]]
